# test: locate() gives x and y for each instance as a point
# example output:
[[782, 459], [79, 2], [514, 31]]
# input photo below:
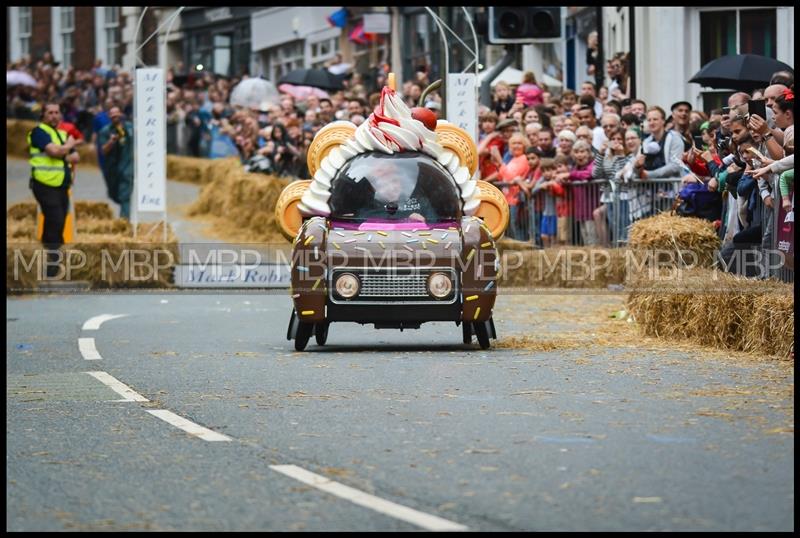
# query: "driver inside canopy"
[[401, 187]]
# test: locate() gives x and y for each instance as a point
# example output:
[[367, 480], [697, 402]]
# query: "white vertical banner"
[[462, 102], [150, 133]]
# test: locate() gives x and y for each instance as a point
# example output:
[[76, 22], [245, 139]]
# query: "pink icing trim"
[[392, 225]]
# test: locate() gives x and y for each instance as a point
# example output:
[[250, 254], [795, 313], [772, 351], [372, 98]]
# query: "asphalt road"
[[589, 436]]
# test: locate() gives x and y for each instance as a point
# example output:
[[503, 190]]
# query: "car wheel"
[[482, 333], [466, 331], [492, 331], [292, 330], [304, 331], [321, 332]]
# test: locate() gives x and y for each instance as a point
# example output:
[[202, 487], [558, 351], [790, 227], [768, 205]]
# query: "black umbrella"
[[318, 78], [742, 72]]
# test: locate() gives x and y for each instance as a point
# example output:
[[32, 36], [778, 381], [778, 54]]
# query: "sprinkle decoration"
[[486, 244], [309, 312], [471, 298], [308, 240], [477, 311], [448, 245], [408, 248], [382, 233], [335, 244], [471, 254], [340, 233], [489, 286], [316, 284], [381, 244], [353, 240]]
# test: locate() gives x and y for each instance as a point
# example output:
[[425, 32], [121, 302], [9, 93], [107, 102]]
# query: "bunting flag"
[[358, 35], [338, 18]]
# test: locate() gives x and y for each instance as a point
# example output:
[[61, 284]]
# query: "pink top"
[[531, 94]]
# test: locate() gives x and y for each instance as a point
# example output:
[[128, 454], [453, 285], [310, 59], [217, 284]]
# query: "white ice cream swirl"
[[389, 129]]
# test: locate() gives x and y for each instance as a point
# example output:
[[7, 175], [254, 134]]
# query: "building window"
[[740, 31], [286, 58], [24, 30], [112, 32], [324, 50], [735, 31], [67, 30]]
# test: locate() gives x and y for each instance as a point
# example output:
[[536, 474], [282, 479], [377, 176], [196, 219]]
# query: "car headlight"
[[347, 285], [440, 285]]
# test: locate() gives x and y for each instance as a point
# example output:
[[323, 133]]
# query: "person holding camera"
[[116, 143]]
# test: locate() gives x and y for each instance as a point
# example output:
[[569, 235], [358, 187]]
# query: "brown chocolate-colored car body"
[[398, 265]]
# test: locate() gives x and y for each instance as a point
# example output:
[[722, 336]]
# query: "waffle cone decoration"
[[331, 136], [286, 212], [459, 142], [493, 208]]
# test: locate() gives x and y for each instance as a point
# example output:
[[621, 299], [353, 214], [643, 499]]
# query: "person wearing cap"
[[507, 127], [681, 118], [116, 143]]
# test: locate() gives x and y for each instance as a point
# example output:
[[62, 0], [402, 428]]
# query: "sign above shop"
[[218, 14]]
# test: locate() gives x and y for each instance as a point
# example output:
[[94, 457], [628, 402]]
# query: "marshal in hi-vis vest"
[[45, 169]]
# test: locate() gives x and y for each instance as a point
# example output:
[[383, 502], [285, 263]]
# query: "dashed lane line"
[[188, 426], [415, 517], [389, 508], [128, 394], [93, 324]]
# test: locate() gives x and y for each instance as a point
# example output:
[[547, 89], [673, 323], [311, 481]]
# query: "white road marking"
[[92, 324], [188, 426], [164, 301], [128, 394], [87, 349], [421, 519]]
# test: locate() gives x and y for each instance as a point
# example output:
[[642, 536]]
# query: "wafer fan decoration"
[[391, 128]]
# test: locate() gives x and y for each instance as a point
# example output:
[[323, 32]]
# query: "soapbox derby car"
[[396, 249]]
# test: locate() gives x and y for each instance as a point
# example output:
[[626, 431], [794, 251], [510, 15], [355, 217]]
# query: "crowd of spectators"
[[598, 160], [270, 138], [546, 151]]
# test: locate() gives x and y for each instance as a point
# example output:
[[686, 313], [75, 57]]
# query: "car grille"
[[394, 286]]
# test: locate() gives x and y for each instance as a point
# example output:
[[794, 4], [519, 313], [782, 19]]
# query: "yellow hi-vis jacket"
[[45, 169]]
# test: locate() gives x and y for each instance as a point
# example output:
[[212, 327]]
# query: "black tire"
[[304, 331], [482, 333], [321, 332], [466, 332], [290, 332], [492, 331]]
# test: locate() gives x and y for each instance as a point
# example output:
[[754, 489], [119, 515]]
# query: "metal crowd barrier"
[[593, 212], [599, 213]]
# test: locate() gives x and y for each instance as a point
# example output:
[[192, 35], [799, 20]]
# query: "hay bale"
[[567, 267], [247, 201], [22, 211], [195, 170], [111, 260], [88, 209], [94, 226], [716, 309], [17, 137], [695, 239]]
